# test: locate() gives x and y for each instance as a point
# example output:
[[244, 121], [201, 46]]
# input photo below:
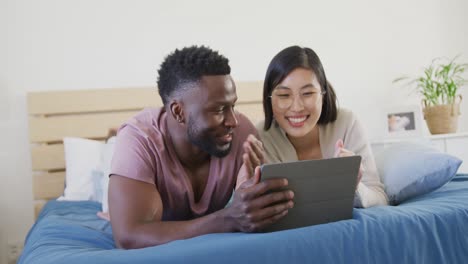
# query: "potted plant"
[[439, 87]]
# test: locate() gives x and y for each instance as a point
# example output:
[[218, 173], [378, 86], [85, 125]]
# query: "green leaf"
[[440, 81]]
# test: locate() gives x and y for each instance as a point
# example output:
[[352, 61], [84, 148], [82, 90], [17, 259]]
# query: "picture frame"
[[403, 121]]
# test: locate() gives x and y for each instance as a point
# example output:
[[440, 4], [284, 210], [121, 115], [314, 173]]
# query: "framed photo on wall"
[[403, 121]]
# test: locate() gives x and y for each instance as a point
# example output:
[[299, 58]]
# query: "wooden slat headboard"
[[54, 115]]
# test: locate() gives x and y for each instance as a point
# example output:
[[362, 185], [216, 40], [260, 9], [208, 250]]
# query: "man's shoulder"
[[146, 124], [244, 124], [147, 117]]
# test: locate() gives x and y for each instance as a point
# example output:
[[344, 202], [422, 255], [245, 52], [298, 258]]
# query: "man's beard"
[[205, 143]]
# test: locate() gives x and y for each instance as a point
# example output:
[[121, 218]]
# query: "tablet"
[[323, 190]]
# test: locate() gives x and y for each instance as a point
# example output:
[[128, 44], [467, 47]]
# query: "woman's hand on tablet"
[[340, 151]]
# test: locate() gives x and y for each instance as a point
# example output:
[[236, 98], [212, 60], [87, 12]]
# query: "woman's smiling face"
[[297, 102]]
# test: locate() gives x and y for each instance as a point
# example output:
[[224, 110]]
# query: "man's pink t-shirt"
[[144, 152]]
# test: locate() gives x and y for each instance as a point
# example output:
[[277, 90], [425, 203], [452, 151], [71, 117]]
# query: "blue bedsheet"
[[429, 229]]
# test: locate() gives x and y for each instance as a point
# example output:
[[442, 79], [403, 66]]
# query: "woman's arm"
[[370, 190]]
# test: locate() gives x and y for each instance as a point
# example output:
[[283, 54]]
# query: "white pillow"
[[104, 167], [82, 157], [408, 170]]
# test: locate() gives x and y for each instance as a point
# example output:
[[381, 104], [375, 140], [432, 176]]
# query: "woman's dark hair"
[[284, 63]]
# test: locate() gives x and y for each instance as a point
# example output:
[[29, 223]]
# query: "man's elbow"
[[131, 240], [126, 242]]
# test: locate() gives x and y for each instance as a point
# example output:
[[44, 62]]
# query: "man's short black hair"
[[188, 65]]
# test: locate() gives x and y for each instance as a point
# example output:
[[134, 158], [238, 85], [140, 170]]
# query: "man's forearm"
[[161, 232]]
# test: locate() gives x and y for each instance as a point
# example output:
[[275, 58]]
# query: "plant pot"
[[442, 119]]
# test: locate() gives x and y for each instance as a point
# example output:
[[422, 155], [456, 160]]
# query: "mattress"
[[432, 228]]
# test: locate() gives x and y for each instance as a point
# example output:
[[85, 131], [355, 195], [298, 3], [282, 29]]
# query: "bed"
[[431, 228]]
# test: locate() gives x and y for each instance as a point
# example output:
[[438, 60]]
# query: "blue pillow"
[[408, 170]]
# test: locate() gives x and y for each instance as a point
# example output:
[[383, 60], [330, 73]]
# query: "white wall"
[[455, 32], [4, 116], [364, 45]]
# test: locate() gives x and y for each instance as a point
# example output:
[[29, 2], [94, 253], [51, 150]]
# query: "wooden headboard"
[[90, 114]]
